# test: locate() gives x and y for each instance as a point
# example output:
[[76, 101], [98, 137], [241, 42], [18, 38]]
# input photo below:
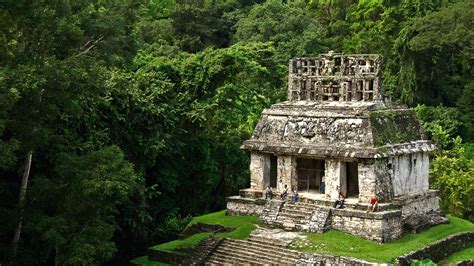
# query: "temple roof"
[[336, 109], [336, 77]]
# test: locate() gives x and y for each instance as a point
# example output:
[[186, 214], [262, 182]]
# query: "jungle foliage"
[[134, 110]]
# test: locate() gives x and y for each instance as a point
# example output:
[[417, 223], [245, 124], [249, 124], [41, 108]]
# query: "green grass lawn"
[[465, 254], [243, 226], [342, 244]]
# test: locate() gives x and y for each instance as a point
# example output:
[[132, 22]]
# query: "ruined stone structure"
[[336, 124]]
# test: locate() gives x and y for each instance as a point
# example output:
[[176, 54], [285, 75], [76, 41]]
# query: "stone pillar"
[[286, 172], [259, 169], [343, 177], [367, 180], [332, 175]]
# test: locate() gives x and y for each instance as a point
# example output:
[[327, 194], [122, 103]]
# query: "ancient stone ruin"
[[336, 124]]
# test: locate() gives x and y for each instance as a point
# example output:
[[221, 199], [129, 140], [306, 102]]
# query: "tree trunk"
[[22, 202]]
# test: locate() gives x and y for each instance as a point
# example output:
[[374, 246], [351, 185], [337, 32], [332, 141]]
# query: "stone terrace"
[[317, 215]]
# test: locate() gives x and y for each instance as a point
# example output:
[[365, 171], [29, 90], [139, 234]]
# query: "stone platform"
[[318, 215]]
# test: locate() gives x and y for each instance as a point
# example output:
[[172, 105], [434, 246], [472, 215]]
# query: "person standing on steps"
[[284, 193], [269, 193]]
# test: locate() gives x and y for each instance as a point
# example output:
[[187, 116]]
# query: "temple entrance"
[[352, 179], [273, 171], [309, 172]]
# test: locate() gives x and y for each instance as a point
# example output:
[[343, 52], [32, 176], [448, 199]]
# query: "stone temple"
[[336, 124]]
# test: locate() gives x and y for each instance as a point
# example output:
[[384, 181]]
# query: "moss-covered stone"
[[394, 127]]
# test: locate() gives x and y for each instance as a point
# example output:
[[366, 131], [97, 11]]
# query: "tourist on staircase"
[[294, 196], [269, 192], [284, 193]]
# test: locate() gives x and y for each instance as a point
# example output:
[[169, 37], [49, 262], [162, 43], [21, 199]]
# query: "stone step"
[[299, 211], [256, 250], [258, 245], [251, 258], [300, 206], [293, 216], [225, 261], [267, 241], [288, 222], [246, 257], [260, 249], [230, 261]]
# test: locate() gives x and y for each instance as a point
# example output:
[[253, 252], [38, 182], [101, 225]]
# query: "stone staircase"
[[294, 216], [299, 216], [255, 251]]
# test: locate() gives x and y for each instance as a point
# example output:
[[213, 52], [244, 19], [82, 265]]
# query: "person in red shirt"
[[373, 204]]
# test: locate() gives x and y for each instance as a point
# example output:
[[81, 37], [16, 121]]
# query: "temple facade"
[[337, 134]]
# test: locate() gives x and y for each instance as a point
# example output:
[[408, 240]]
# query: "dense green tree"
[[71, 213], [289, 26], [442, 47], [441, 123], [452, 172], [52, 57], [215, 97]]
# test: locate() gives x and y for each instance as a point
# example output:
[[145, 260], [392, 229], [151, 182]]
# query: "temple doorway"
[[273, 171], [309, 172]]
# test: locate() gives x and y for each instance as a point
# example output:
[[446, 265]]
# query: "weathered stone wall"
[[286, 172], [251, 193], [332, 177], [418, 203], [409, 173], [367, 180], [440, 249], [259, 167], [379, 226], [320, 220], [270, 212], [309, 130], [384, 179], [244, 206]]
